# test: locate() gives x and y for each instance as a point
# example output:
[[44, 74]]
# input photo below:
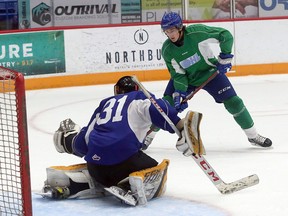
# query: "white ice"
[[189, 191]]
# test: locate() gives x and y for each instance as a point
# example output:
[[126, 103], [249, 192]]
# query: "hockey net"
[[15, 187]]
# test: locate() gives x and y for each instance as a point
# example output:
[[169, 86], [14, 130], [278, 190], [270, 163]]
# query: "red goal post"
[[15, 186]]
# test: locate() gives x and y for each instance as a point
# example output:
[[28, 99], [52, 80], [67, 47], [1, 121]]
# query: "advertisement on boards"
[[48, 13], [41, 13], [221, 9], [131, 11], [246, 9], [86, 12], [153, 10], [130, 48], [24, 14], [205, 9], [33, 53], [74, 12], [273, 8]]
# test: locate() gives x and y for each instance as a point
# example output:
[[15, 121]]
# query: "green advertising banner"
[[33, 53]]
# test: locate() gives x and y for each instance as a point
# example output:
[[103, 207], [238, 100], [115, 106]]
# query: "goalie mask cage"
[[15, 187]]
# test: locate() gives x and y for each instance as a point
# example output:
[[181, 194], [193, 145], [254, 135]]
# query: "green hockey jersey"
[[193, 62]]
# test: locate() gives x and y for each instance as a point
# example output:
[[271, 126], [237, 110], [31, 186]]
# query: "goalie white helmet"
[[63, 137]]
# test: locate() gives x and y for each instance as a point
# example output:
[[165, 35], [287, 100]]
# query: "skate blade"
[[44, 195]]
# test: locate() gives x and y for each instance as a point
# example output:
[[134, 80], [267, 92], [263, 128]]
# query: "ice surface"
[[189, 191]]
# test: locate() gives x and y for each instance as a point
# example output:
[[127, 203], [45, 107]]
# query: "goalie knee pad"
[[61, 175], [149, 183], [64, 136]]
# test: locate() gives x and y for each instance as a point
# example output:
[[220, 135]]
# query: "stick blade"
[[228, 188]]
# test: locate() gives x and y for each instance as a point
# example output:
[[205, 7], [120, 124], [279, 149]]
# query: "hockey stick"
[[189, 96], [224, 188]]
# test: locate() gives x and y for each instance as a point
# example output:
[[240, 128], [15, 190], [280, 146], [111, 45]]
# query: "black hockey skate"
[[261, 141]]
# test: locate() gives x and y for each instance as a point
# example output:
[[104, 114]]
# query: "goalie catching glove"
[[190, 141], [63, 137]]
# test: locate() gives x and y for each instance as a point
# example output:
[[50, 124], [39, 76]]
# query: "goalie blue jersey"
[[118, 127]]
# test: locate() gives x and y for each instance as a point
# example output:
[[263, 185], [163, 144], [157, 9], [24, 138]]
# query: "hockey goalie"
[[111, 145]]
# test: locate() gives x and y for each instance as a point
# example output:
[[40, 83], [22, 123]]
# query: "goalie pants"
[[109, 175]]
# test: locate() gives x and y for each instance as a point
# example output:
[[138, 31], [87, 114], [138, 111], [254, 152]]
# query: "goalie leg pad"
[[149, 183], [63, 176], [57, 175], [123, 195], [137, 188], [192, 132]]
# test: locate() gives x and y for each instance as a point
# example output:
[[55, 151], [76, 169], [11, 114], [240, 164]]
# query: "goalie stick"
[[224, 188]]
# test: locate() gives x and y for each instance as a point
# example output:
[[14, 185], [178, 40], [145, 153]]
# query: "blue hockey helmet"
[[171, 19], [124, 85]]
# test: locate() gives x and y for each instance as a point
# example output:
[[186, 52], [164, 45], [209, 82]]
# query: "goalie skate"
[[125, 196], [54, 192]]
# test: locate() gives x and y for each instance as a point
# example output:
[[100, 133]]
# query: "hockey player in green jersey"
[[190, 63]]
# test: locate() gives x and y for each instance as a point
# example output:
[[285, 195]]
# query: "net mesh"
[[11, 200]]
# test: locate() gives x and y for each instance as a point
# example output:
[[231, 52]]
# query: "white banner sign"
[[114, 49], [273, 8]]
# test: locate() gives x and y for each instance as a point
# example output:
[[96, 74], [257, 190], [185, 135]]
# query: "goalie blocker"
[[68, 182]]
